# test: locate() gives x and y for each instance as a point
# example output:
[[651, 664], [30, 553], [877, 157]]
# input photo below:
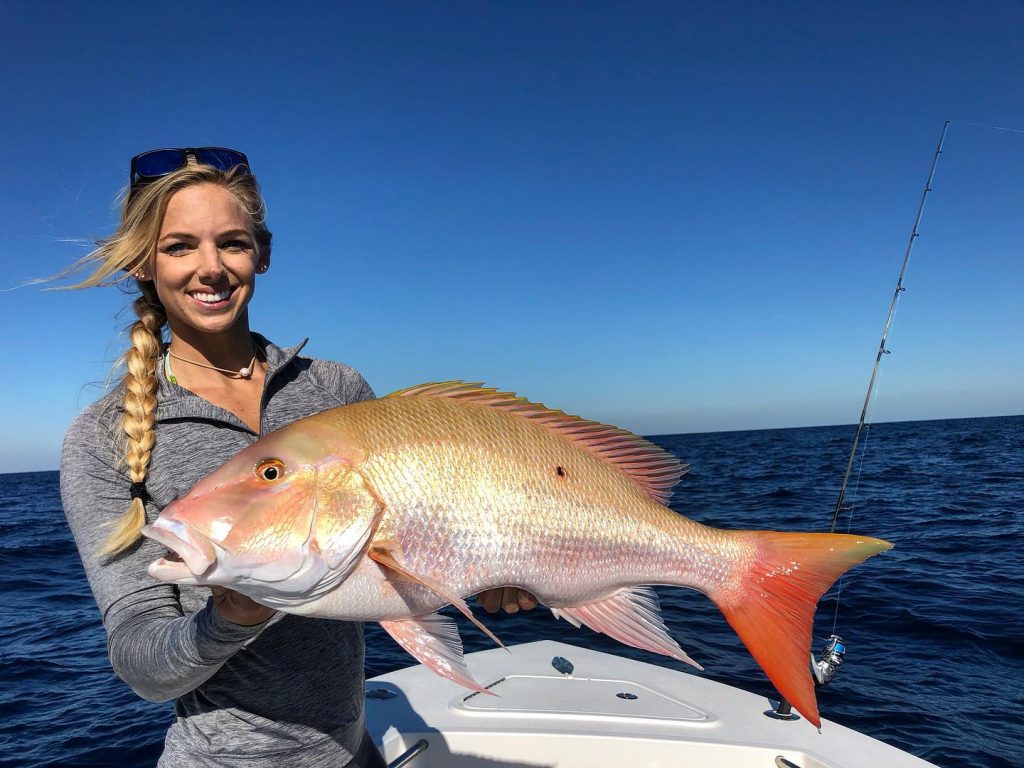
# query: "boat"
[[562, 706]]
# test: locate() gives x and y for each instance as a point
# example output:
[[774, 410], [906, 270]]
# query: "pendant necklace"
[[245, 372]]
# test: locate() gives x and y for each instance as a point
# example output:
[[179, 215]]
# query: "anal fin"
[[631, 616], [434, 642]]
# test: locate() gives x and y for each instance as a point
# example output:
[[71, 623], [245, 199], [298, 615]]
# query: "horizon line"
[[725, 431]]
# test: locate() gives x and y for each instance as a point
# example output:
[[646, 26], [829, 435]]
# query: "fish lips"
[[197, 553]]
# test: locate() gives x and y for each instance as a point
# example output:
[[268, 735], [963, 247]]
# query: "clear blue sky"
[[675, 217]]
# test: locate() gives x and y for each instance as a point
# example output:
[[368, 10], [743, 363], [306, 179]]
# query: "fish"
[[388, 510]]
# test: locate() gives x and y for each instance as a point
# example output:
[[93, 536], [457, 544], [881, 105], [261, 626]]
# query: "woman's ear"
[[146, 270]]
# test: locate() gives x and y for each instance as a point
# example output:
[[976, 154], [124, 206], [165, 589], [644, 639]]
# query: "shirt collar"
[[174, 401]]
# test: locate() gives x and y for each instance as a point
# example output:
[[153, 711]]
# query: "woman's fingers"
[[510, 599], [490, 599], [527, 601]]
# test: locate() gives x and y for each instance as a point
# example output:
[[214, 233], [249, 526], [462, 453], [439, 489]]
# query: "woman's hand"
[[239, 609], [509, 598]]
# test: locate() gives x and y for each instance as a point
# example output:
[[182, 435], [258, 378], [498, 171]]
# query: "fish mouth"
[[194, 553]]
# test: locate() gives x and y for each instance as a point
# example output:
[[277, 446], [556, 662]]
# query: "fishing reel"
[[824, 668]]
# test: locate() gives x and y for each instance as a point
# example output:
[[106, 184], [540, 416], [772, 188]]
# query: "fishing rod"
[[914, 234], [824, 667]]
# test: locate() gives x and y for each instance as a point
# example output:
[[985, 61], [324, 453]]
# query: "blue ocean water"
[[935, 628]]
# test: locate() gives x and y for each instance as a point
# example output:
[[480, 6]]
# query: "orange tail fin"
[[772, 608]]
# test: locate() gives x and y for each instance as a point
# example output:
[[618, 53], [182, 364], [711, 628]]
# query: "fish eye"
[[270, 470]]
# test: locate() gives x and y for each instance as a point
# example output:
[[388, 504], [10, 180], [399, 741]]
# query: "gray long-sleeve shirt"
[[285, 692]]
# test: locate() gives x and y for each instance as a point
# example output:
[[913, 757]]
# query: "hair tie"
[[138, 491]]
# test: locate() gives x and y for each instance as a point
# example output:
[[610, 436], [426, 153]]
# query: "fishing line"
[[855, 496], [982, 125]]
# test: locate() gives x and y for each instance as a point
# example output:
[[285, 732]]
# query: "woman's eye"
[[236, 245], [175, 248]]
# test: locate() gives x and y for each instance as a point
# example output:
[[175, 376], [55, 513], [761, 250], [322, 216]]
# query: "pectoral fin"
[[389, 558], [632, 617], [434, 641]]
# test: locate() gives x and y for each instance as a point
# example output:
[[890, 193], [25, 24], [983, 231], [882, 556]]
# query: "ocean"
[[934, 628]]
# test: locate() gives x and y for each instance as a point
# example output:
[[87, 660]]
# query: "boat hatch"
[[581, 696]]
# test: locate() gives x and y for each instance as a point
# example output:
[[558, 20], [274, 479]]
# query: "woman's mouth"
[[212, 299]]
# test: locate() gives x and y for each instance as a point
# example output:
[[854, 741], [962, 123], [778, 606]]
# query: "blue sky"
[[675, 217]]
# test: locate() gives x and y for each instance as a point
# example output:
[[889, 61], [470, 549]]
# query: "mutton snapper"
[[387, 510]]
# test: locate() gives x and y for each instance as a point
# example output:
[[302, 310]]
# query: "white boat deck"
[[609, 711]]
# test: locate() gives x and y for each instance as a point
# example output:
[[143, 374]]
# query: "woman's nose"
[[210, 265]]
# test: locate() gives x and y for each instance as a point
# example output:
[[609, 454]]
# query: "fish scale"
[[391, 509]]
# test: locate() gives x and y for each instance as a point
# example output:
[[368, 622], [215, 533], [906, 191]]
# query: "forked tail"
[[771, 604]]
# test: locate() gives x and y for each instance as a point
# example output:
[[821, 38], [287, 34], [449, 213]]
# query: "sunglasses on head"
[[156, 163]]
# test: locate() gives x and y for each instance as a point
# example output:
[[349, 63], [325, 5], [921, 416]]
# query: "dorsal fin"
[[653, 468]]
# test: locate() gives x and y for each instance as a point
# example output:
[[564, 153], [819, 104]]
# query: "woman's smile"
[[210, 300]]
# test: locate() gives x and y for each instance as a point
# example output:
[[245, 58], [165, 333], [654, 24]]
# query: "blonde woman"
[[250, 687]]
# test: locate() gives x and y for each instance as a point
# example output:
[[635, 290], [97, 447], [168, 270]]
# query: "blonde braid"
[[140, 385]]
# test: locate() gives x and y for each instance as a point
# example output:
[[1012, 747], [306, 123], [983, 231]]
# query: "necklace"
[[242, 373]]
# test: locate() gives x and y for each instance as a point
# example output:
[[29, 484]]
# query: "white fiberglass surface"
[[582, 696], [532, 750]]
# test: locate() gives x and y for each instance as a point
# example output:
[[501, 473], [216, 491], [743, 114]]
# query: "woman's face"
[[205, 262]]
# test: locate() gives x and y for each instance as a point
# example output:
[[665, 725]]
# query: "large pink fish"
[[390, 509]]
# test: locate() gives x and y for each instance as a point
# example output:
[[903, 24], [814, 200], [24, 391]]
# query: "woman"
[[251, 687]]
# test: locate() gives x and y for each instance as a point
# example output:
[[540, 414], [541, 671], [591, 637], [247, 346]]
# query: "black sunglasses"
[[159, 162]]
